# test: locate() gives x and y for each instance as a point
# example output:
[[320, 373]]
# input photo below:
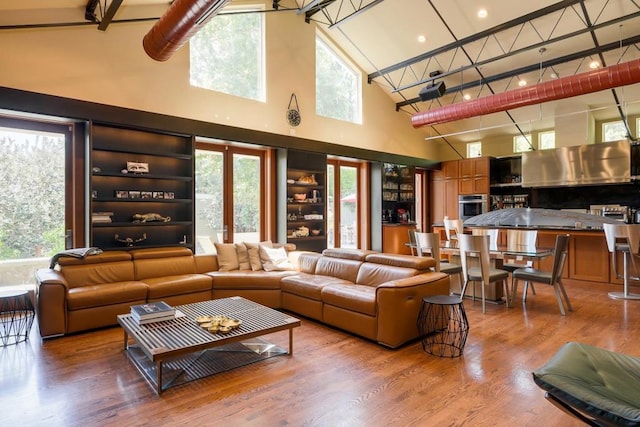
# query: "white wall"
[[112, 68]]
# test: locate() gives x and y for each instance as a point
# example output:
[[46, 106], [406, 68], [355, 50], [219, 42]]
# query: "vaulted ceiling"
[[407, 45]]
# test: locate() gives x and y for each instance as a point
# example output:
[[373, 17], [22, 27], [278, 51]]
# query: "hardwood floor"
[[332, 379]]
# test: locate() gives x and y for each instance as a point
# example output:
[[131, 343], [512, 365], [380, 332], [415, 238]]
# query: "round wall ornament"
[[293, 113]]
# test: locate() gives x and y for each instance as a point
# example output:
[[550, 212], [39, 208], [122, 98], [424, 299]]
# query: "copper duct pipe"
[[566, 87], [178, 24]]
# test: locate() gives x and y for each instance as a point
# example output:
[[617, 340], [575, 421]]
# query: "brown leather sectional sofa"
[[371, 294]]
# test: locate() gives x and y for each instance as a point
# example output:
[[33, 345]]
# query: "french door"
[[343, 212], [230, 195]]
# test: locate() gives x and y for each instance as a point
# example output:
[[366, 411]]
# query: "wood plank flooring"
[[332, 379]]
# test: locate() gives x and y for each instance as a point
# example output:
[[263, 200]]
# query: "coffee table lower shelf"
[[201, 364]]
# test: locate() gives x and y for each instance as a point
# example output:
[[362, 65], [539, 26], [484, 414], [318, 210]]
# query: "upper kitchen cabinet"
[[444, 191], [398, 194], [473, 176]]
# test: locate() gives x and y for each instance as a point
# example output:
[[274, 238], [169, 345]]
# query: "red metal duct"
[[179, 23], [566, 87]]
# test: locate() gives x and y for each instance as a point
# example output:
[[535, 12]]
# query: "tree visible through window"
[[338, 94], [522, 143], [227, 55], [547, 140], [474, 149]]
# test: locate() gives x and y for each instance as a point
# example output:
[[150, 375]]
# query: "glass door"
[[344, 207], [35, 217]]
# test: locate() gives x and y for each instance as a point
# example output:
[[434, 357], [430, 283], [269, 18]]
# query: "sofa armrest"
[[52, 302], [399, 303]]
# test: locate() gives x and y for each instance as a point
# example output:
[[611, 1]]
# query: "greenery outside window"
[[474, 149], [547, 140], [613, 131], [227, 55], [522, 143], [338, 85]]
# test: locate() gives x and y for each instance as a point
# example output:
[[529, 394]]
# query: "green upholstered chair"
[[598, 386]]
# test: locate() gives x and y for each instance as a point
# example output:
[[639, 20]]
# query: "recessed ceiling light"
[[554, 76], [482, 13], [422, 38], [594, 64], [522, 83], [466, 97]]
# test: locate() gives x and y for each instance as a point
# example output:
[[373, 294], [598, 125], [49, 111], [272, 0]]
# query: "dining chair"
[[491, 232], [412, 240], [553, 277], [428, 244], [453, 227], [625, 239], [477, 246], [520, 241]]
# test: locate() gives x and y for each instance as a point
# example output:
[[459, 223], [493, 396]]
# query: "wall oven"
[[471, 205]]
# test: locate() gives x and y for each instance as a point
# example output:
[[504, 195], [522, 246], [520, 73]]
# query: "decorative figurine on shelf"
[[150, 217], [302, 231], [137, 167], [308, 179], [130, 241]]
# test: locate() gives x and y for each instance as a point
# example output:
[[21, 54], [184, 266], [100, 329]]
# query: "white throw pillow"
[[274, 259], [227, 256]]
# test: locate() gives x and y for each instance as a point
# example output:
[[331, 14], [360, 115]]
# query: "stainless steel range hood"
[[605, 163]]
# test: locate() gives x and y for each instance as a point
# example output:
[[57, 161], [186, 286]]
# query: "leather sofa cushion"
[[309, 285], [372, 274], [344, 269], [306, 262], [407, 261], [105, 294], [95, 274], [162, 267], [206, 263], [161, 287], [111, 256], [351, 297], [248, 279], [346, 253], [169, 252]]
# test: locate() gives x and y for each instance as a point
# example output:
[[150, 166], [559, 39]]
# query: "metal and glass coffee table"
[[177, 351]]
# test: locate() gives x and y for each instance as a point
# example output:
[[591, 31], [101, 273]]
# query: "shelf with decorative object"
[[306, 200], [398, 193], [145, 179]]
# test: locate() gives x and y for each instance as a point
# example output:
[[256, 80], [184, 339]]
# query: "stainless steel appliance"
[[471, 205], [617, 212]]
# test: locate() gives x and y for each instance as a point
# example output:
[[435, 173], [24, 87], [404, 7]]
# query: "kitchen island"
[[588, 259]]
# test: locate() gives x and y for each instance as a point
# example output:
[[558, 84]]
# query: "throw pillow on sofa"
[[243, 256], [274, 259], [254, 254], [227, 256]]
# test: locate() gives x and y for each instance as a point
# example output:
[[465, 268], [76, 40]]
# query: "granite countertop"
[[535, 218]]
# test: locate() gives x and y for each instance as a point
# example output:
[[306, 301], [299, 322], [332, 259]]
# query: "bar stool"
[[443, 325], [625, 239]]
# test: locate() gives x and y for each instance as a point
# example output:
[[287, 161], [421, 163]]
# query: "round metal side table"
[[443, 325], [16, 316]]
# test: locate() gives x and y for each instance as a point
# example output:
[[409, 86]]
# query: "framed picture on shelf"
[[134, 194], [137, 167], [146, 195], [169, 195], [122, 194], [158, 195]]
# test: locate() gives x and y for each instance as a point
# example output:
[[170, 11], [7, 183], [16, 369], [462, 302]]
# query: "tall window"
[[32, 200], [227, 55], [547, 140], [613, 131], [474, 149], [338, 85], [522, 143], [229, 195], [342, 216]]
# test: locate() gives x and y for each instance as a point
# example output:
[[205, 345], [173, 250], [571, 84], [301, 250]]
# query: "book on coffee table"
[[156, 311]]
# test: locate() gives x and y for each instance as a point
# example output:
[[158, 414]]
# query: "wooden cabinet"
[[306, 200], [398, 194], [444, 191], [141, 188], [474, 176], [395, 238]]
